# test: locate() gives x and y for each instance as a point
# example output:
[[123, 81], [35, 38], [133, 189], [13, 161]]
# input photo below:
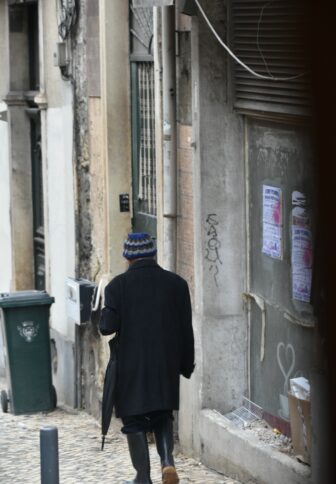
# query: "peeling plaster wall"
[[81, 140], [75, 147], [59, 201], [103, 150]]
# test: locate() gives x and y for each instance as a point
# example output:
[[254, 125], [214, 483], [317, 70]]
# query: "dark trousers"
[[145, 422]]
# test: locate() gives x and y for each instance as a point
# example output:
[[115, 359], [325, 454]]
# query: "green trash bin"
[[24, 317]]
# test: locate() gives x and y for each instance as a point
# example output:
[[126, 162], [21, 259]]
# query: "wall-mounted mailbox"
[[60, 55], [79, 294]]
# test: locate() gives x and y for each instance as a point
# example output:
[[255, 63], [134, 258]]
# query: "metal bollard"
[[49, 455]]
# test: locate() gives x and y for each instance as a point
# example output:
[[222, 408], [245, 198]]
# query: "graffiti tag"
[[213, 245]]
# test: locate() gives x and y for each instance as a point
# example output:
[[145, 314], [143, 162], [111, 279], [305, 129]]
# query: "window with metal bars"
[[270, 38], [147, 172]]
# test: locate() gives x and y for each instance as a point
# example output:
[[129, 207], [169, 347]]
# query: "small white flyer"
[[302, 248], [272, 222]]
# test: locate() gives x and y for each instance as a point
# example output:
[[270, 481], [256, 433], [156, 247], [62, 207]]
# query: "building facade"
[[119, 116]]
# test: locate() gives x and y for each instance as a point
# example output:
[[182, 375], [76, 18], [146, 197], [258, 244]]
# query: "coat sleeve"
[[111, 314], [188, 345]]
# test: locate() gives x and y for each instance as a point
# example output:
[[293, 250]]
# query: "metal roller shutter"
[[269, 37]]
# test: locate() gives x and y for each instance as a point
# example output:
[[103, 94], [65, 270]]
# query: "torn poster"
[[272, 222], [300, 215], [301, 263], [302, 250]]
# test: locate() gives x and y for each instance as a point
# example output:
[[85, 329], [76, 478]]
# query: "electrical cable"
[[246, 67], [67, 14], [258, 32]]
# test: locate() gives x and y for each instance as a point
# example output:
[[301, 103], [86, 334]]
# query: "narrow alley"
[[81, 460], [191, 140]]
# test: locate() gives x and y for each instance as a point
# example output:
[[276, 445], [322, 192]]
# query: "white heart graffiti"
[[289, 349], [289, 355]]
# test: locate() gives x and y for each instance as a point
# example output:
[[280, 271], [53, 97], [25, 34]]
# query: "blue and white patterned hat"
[[138, 245]]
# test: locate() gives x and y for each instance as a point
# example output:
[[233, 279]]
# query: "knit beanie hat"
[[138, 245]]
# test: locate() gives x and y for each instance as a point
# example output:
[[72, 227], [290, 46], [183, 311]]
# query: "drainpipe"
[[169, 137]]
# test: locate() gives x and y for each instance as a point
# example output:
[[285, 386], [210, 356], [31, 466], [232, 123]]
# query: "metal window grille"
[[147, 168], [269, 36], [246, 414]]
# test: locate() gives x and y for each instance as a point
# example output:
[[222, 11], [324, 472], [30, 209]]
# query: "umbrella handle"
[[100, 292]]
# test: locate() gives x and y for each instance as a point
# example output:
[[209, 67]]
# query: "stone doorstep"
[[241, 455]]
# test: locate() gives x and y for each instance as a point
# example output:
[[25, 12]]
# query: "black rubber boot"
[[164, 439], [138, 449]]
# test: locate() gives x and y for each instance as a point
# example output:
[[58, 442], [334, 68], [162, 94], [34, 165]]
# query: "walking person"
[[150, 309]]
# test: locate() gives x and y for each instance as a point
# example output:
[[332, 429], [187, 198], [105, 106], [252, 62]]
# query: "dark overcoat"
[[150, 308]]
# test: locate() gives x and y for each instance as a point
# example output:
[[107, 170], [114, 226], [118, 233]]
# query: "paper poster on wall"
[[272, 222], [302, 250]]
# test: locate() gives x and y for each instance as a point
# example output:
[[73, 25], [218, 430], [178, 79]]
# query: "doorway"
[[143, 121]]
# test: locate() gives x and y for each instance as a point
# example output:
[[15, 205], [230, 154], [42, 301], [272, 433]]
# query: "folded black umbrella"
[[109, 390]]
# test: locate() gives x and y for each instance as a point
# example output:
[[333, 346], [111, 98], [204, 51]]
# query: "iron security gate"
[[143, 132]]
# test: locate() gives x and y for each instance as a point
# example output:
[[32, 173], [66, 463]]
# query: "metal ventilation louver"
[[270, 38]]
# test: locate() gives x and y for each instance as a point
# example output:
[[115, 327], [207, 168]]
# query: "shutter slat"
[[267, 99], [281, 93], [297, 91]]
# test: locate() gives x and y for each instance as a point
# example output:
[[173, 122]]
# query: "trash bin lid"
[[25, 298]]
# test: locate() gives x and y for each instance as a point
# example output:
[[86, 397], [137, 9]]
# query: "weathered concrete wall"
[[220, 325], [242, 456], [185, 221], [222, 224], [97, 190], [185, 186], [220, 255]]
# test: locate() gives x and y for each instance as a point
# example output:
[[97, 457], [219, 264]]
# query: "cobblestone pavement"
[[80, 457]]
